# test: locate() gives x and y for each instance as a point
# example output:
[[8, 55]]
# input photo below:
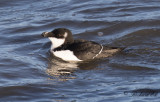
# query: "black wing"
[[84, 50]]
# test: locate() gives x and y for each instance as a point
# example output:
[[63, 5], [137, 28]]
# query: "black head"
[[60, 33]]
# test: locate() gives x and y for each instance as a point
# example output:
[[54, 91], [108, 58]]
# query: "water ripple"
[[29, 73]]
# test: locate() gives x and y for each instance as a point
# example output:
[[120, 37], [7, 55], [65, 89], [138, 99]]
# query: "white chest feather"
[[66, 55], [56, 42]]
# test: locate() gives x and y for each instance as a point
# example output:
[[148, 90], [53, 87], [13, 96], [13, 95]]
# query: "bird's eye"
[[60, 36]]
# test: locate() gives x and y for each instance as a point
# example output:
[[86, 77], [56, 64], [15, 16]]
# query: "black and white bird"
[[65, 47]]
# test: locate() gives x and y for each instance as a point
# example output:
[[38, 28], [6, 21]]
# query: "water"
[[29, 73]]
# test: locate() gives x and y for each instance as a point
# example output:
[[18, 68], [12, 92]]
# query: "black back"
[[83, 50]]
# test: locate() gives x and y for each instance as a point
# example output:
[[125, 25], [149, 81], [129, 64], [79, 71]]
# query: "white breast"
[[66, 55], [56, 42]]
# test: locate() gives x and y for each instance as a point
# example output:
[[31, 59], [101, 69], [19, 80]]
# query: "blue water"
[[29, 74]]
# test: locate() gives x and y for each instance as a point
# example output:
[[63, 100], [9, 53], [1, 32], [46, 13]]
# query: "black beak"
[[43, 34], [47, 34]]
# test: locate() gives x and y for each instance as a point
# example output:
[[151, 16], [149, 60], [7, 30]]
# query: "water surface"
[[29, 73]]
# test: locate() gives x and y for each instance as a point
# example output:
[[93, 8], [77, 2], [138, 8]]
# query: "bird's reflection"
[[63, 70]]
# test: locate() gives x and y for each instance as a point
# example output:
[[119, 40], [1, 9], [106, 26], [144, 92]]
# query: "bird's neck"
[[62, 47], [56, 43], [52, 48]]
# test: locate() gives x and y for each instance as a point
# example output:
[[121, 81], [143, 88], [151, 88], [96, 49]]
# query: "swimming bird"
[[65, 47]]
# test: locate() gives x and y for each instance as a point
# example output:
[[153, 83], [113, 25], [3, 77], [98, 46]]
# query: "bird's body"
[[64, 47]]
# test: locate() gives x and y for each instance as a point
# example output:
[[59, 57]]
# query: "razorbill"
[[68, 49]]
